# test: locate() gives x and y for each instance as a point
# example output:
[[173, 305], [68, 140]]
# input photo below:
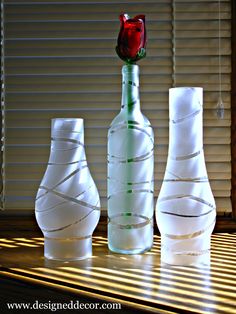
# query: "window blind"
[[196, 61], [60, 61]]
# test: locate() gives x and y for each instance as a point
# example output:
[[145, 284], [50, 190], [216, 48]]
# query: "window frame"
[[228, 224], [233, 109]]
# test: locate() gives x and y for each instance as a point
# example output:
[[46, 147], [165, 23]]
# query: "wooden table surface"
[[138, 281]]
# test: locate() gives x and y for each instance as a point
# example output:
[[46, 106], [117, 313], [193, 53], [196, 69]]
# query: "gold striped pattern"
[[138, 280]]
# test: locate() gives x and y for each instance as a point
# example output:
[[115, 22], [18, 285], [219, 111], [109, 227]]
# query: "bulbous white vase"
[[185, 210], [67, 205]]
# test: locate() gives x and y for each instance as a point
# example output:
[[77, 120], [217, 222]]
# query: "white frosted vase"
[[67, 205], [185, 210], [130, 172]]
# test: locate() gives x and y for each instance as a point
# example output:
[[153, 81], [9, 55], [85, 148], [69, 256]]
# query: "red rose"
[[131, 41]]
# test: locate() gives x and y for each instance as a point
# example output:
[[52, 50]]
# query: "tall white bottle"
[[185, 210], [130, 172]]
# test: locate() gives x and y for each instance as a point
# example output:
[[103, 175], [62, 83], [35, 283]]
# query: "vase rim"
[[187, 87], [68, 119]]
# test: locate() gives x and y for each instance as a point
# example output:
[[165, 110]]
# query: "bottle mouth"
[[128, 68]]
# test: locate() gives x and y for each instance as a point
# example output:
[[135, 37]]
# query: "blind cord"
[[220, 104], [173, 45], [3, 174]]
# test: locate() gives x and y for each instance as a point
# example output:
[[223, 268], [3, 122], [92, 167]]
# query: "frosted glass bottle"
[[67, 205], [130, 172], [185, 210]]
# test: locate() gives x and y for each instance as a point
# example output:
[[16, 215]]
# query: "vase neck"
[[130, 88], [67, 141], [69, 130], [185, 126]]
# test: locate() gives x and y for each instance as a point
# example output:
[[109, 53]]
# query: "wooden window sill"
[[136, 281]]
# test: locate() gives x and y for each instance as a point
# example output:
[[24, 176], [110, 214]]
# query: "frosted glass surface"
[[185, 210], [130, 173], [67, 204]]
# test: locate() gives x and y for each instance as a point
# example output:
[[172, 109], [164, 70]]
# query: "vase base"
[[186, 259], [131, 240], [129, 251], [68, 249]]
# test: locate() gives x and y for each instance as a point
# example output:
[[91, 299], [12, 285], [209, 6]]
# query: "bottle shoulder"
[[135, 116]]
